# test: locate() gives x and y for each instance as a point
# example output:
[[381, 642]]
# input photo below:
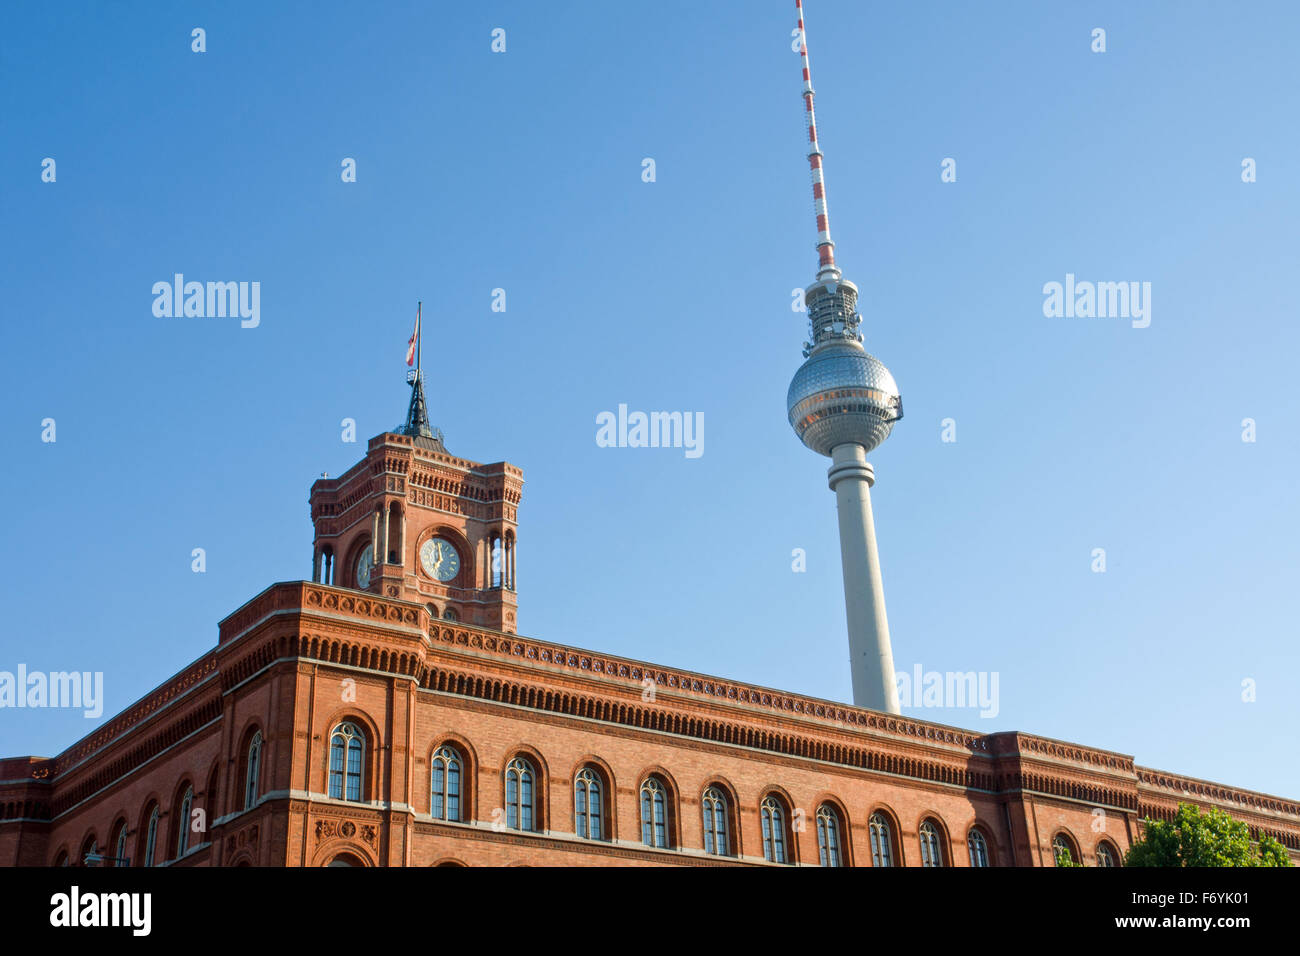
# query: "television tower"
[[842, 403]]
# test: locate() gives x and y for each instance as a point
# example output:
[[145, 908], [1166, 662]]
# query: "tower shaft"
[[871, 658]]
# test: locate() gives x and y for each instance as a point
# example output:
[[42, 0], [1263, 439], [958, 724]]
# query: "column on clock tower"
[[389, 564]]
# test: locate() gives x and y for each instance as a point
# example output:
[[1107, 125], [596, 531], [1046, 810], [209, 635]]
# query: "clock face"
[[440, 559], [364, 564]]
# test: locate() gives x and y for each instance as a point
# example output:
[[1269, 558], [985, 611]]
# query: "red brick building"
[[386, 713]]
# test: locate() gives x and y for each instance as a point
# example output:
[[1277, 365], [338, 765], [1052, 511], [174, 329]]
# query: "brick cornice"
[[1162, 783], [160, 697], [1160, 792], [693, 689], [339, 605]]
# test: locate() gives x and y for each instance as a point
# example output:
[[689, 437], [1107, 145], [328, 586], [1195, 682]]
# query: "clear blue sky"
[[523, 171]]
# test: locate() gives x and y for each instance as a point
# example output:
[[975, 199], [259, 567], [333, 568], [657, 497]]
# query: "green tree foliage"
[[1064, 859], [1209, 838]]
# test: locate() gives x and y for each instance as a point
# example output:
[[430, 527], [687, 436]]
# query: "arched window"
[[586, 804], [931, 851], [773, 818], [183, 823], [151, 836], [211, 792], [520, 795], [445, 802], [828, 836], [1106, 855], [881, 841], [1063, 850], [119, 845], [89, 848], [62, 859], [396, 526], [508, 572], [347, 758], [715, 821], [252, 770], [497, 554], [654, 813], [979, 848], [450, 614]]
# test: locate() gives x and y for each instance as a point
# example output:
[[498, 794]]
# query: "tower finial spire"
[[826, 268], [417, 413]]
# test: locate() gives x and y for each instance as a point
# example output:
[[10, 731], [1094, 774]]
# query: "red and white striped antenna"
[[826, 270]]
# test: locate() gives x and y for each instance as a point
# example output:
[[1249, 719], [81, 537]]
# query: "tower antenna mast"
[[826, 269]]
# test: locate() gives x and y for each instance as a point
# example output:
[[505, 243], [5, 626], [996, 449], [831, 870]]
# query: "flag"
[[415, 338]]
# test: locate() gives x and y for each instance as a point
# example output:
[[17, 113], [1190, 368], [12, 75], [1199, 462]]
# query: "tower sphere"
[[842, 394]]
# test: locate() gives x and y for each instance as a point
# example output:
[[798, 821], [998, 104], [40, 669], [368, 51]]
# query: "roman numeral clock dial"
[[440, 559]]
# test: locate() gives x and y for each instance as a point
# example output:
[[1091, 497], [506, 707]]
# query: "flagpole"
[[418, 332]]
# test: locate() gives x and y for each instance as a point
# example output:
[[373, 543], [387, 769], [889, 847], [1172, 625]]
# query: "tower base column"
[[872, 659]]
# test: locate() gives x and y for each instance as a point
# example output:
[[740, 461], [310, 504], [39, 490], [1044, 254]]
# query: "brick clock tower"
[[412, 521]]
